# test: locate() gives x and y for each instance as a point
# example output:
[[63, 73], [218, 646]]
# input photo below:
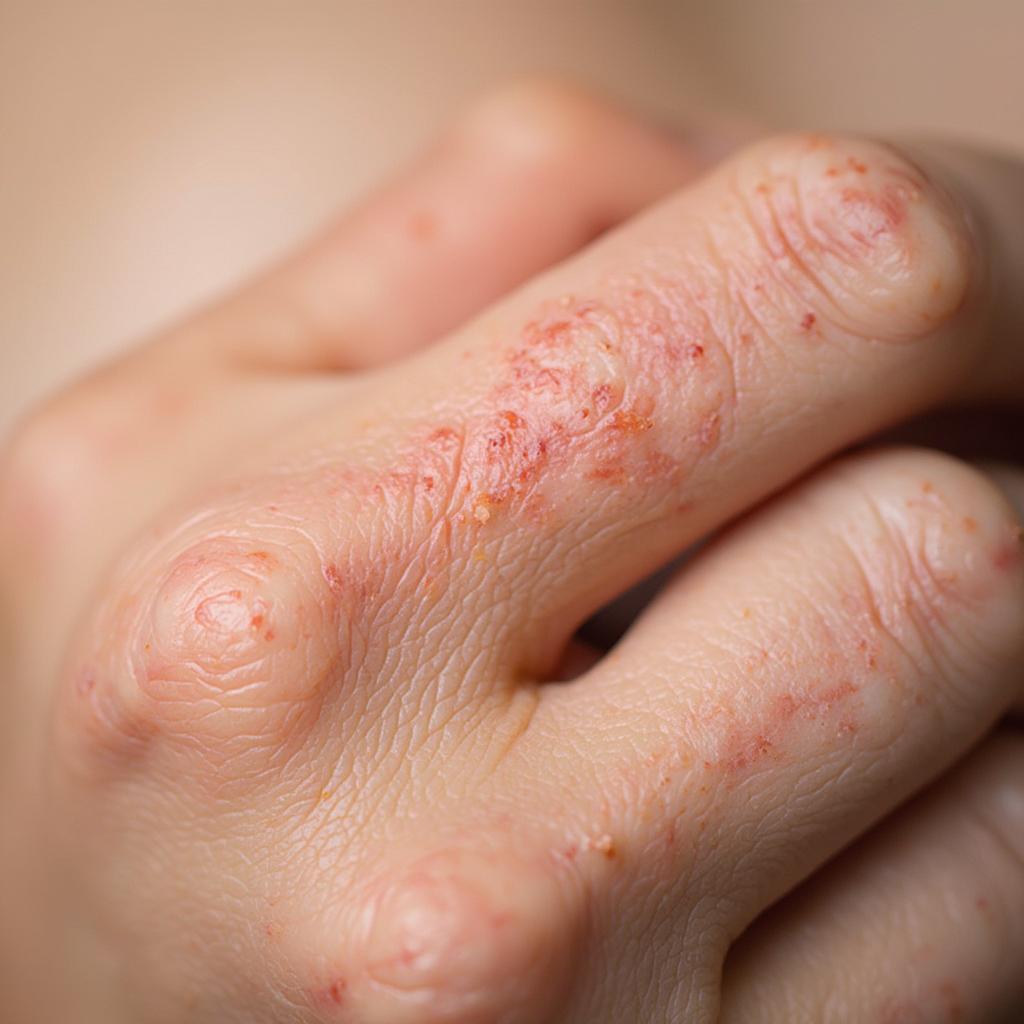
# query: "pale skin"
[[287, 590]]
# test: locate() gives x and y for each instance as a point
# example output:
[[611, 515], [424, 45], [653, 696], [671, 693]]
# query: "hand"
[[282, 737]]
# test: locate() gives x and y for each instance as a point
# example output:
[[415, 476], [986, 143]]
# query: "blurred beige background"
[[153, 153]]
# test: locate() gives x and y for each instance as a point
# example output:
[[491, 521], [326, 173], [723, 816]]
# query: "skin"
[[288, 589]]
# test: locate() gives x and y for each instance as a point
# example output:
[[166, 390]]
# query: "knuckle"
[[540, 121], [856, 235], [458, 937], [942, 562], [233, 626], [49, 466], [220, 642]]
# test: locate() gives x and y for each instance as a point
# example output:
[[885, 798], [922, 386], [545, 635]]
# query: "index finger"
[[807, 294]]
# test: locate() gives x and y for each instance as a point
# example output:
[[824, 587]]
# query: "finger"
[[806, 673], [980, 437], [921, 921], [804, 296], [85, 471], [524, 179], [529, 175]]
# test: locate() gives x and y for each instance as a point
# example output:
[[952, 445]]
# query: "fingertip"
[[877, 247]]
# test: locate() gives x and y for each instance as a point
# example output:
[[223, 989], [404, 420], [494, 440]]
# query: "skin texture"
[[298, 754]]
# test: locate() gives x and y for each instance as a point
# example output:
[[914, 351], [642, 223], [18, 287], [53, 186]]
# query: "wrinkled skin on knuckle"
[[459, 936], [220, 637], [851, 236], [233, 623]]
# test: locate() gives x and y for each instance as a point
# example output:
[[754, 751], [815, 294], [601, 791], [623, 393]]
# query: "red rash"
[[879, 212], [1008, 556], [561, 406], [852, 164], [333, 995], [743, 745], [333, 576], [422, 226], [849, 211], [629, 422], [575, 397]]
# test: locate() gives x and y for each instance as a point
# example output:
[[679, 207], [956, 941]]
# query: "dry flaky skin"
[[302, 764]]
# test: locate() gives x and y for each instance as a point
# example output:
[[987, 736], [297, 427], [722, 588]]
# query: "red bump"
[[331, 996], [334, 578], [879, 212], [745, 744], [629, 422], [838, 693], [607, 471], [422, 226], [442, 435], [1009, 555], [602, 396]]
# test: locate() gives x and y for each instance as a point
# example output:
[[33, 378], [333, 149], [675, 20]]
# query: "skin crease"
[[308, 703]]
